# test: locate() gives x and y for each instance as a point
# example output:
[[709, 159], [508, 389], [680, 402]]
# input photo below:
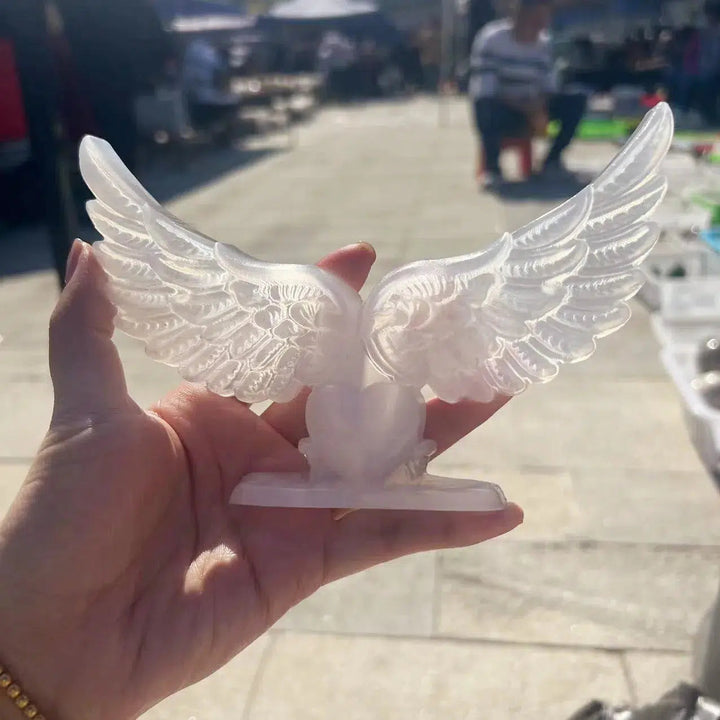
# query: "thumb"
[[85, 366]]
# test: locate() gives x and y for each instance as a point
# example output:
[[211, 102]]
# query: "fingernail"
[[73, 260], [517, 512], [358, 246]]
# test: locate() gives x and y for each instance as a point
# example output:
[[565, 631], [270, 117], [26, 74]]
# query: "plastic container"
[[703, 421], [696, 260], [680, 218], [689, 311]]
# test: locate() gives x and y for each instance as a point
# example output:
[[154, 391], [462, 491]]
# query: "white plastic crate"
[[696, 300], [703, 421], [697, 260], [689, 311], [679, 218], [688, 177], [670, 334]]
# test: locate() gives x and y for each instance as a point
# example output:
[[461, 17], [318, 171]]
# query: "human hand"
[[125, 575]]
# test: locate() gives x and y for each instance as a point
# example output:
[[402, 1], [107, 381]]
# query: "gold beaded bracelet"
[[15, 693]]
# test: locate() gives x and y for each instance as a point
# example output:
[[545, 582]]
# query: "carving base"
[[294, 490]]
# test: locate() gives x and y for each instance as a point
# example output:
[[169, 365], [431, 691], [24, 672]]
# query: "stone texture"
[[639, 506], [653, 674], [25, 407], [599, 423], [317, 677], [580, 594]]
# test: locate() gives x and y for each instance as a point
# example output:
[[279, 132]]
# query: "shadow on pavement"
[[24, 247], [539, 189], [171, 176]]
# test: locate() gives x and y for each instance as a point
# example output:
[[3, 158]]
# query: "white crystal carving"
[[470, 327]]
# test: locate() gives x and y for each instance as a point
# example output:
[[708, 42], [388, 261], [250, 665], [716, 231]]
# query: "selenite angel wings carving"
[[471, 327]]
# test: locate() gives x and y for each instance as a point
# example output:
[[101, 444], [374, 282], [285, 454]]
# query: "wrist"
[[8, 709], [15, 704], [26, 652]]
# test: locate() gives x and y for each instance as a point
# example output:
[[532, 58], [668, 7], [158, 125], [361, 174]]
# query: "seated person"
[[337, 63], [513, 86], [204, 81]]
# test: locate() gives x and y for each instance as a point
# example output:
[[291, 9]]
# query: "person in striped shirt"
[[514, 89]]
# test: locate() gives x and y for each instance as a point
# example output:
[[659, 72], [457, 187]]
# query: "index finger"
[[447, 424], [352, 264]]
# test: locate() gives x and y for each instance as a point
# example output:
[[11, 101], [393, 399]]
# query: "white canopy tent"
[[321, 9]]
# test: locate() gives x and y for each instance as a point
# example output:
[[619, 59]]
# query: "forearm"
[[45, 676], [8, 709], [30, 637]]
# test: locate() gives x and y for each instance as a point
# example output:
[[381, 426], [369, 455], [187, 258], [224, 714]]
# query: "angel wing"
[[511, 315], [255, 330]]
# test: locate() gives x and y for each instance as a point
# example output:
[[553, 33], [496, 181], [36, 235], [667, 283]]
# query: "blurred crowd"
[[121, 71], [104, 59], [682, 63], [125, 72], [364, 68]]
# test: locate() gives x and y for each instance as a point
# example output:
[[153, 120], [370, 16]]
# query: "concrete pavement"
[[600, 591]]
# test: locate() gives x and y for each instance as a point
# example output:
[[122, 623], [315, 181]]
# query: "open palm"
[[125, 575]]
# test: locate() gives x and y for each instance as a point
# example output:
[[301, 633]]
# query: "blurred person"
[[48, 180], [119, 50], [706, 85], [336, 62], [429, 44], [638, 50], [413, 61], [646, 66], [694, 78], [303, 49], [125, 574], [204, 79], [76, 109], [514, 89], [682, 70], [369, 65]]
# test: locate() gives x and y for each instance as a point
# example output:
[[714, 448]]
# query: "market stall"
[[307, 20]]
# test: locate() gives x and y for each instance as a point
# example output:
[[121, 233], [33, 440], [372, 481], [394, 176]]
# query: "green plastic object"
[[598, 129], [709, 201]]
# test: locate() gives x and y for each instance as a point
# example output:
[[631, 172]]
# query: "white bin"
[[703, 421], [689, 311]]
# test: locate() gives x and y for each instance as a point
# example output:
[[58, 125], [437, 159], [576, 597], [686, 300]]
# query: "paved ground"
[[598, 594]]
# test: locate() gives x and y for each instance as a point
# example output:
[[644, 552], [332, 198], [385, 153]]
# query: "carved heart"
[[363, 435]]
